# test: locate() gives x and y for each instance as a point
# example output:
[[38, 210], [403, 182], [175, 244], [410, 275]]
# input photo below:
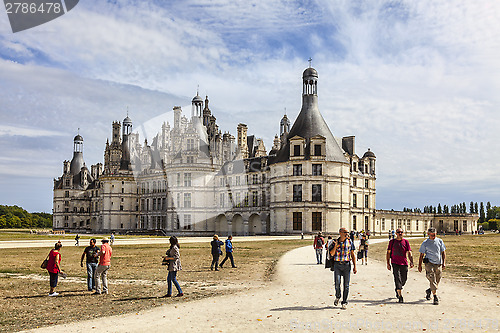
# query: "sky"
[[417, 82]]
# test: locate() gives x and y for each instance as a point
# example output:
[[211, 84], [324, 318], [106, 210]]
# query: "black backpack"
[[319, 242]]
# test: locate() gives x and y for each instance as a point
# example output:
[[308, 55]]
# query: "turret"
[[77, 161]]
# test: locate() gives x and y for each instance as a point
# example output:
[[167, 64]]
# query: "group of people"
[[98, 262], [217, 252], [340, 254]]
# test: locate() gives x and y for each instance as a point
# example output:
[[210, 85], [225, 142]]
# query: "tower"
[[77, 161], [284, 129], [196, 106], [127, 130], [242, 140]]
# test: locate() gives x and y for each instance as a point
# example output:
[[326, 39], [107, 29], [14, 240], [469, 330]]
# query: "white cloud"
[[6, 130]]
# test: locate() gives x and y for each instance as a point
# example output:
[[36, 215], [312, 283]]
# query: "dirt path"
[[301, 299]]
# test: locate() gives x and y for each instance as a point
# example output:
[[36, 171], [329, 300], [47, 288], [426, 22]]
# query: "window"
[[255, 179], [417, 225], [317, 150], [408, 224], [354, 222], [178, 182], [121, 207], [366, 183], [230, 197], [383, 223], [264, 198], [316, 192], [354, 200], [164, 203], [297, 193], [66, 194], [297, 221], [187, 200], [366, 168], [316, 221], [187, 221], [297, 169], [296, 150], [154, 204], [246, 200], [317, 169], [66, 203], [392, 224], [255, 199], [455, 225], [238, 200], [187, 179], [68, 182], [366, 201], [399, 223], [464, 226], [355, 182], [189, 159], [190, 144], [366, 223], [221, 200], [354, 166], [238, 180]]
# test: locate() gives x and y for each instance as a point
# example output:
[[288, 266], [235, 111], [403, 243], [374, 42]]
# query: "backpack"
[[319, 242]]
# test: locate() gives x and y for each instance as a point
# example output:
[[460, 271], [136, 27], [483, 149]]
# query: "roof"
[[309, 124]]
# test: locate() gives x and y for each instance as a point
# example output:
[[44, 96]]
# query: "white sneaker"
[[336, 302], [344, 306], [54, 294]]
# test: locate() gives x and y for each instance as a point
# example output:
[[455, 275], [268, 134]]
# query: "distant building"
[[195, 180]]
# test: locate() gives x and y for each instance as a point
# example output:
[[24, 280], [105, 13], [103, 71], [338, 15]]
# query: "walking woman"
[[54, 268], [216, 252], [174, 265], [363, 247]]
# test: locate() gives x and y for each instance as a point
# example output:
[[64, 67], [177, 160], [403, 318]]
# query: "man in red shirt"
[[397, 251], [102, 268], [319, 241]]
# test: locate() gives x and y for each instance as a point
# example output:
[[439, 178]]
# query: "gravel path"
[[301, 299]]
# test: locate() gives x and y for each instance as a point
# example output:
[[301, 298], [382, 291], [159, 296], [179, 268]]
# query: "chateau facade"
[[193, 179]]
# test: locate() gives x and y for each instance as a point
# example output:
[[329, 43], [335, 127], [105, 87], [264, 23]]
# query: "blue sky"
[[415, 81]]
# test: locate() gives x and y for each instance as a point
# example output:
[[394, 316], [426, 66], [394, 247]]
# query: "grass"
[[136, 280], [474, 259]]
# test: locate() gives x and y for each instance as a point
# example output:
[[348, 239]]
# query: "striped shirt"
[[344, 249]]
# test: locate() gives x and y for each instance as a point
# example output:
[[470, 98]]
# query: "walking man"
[[397, 252], [343, 253], [91, 252], [103, 267], [435, 257], [77, 240], [319, 241], [229, 252]]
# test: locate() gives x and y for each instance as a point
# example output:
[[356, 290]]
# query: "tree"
[[445, 209], [439, 210], [475, 208], [481, 213], [471, 208]]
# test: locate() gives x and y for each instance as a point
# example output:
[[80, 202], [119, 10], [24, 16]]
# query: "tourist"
[[393, 233], [329, 246], [363, 247], [351, 235], [112, 238], [216, 252], [174, 265], [432, 253], [90, 252], [54, 267], [318, 243], [103, 267], [229, 252], [397, 252], [343, 254], [77, 240]]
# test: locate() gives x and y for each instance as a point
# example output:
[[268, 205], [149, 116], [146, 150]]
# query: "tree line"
[[489, 216], [17, 217]]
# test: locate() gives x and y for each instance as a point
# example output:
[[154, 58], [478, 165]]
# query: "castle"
[[195, 180]]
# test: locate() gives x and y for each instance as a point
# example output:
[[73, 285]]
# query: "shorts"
[[53, 279]]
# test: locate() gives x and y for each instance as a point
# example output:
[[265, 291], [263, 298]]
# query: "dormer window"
[[317, 150], [317, 147], [296, 150]]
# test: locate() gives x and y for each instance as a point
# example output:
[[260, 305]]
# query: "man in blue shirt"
[[435, 256], [229, 252]]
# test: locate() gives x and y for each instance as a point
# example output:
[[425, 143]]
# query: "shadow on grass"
[[65, 293], [140, 298]]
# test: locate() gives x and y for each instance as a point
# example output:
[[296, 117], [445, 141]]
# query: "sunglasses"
[[399, 232]]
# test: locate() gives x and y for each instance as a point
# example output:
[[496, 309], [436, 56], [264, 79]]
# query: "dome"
[[127, 120], [310, 72], [369, 154], [78, 138], [197, 98]]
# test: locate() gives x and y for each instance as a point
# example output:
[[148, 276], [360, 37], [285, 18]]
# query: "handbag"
[[328, 263], [360, 254], [45, 263], [165, 261]]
